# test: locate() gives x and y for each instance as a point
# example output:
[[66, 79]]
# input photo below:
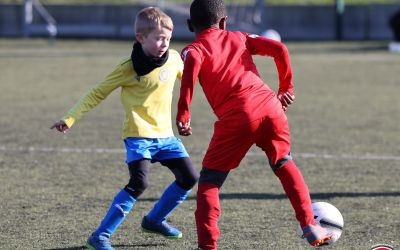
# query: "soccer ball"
[[272, 34], [328, 217]]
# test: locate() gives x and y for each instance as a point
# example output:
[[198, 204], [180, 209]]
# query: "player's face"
[[156, 43]]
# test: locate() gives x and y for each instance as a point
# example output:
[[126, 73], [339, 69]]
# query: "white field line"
[[61, 150], [250, 153]]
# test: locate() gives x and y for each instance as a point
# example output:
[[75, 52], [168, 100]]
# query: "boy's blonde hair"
[[151, 18]]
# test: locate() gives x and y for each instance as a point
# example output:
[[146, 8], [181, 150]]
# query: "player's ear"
[[190, 25], [222, 23], [140, 37]]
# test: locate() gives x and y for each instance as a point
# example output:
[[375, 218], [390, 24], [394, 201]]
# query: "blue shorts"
[[154, 149]]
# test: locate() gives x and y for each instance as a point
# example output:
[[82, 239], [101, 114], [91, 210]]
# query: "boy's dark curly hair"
[[205, 13]]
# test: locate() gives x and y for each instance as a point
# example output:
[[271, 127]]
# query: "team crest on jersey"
[[164, 75]]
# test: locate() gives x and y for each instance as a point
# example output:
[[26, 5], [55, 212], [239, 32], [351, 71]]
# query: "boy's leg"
[[274, 139], [155, 220], [228, 145], [297, 191], [121, 205], [208, 207], [276, 143], [185, 173], [186, 177], [299, 196]]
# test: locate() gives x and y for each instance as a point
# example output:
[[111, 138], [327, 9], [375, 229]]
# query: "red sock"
[[207, 213], [297, 191]]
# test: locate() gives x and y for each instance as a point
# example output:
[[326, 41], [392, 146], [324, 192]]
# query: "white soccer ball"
[[328, 217], [272, 34]]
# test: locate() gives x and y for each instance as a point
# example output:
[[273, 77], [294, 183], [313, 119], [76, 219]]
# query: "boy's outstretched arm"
[[60, 126], [91, 99]]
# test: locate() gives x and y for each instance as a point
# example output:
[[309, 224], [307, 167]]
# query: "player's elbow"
[[284, 52]]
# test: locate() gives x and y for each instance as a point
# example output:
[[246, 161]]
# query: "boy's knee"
[[280, 162], [185, 173], [188, 181], [136, 187], [195, 179], [213, 176]]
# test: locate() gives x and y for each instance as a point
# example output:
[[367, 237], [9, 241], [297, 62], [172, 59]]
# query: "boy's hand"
[[60, 126], [286, 99], [184, 128]]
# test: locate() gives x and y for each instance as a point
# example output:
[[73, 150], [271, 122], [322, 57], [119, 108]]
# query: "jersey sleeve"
[[94, 96], [258, 45], [178, 63], [192, 64], [180, 69]]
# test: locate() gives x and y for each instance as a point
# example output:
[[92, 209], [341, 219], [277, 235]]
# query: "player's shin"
[[297, 191], [207, 214], [169, 200], [120, 207]]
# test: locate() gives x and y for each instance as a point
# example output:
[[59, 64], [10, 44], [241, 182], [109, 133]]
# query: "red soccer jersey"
[[222, 61]]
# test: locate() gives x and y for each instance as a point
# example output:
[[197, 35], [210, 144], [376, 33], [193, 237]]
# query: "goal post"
[[340, 7], [35, 5], [244, 15]]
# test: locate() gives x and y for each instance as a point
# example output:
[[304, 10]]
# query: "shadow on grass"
[[269, 196], [115, 246], [266, 196], [67, 248]]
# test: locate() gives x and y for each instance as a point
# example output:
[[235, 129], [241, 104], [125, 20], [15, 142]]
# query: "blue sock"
[[120, 207], [169, 200]]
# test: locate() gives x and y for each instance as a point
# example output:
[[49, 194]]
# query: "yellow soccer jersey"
[[146, 99]]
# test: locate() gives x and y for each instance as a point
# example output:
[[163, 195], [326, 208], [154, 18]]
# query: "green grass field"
[[55, 188]]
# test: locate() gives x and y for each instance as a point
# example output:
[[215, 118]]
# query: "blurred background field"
[[300, 20], [227, 1], [55, 188]]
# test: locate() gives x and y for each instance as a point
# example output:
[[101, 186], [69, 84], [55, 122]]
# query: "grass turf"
[[55, 188]]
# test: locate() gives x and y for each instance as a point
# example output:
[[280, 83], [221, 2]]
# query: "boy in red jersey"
[[248, 113]]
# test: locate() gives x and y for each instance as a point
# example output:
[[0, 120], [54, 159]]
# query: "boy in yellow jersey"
[[146, 81]]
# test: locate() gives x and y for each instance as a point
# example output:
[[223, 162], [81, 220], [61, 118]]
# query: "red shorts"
[[230, 143]]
